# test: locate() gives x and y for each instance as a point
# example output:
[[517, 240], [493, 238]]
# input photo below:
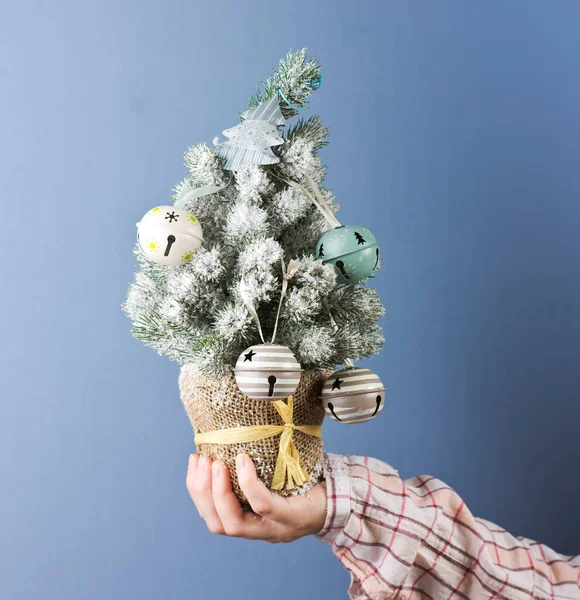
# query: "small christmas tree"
[[195, 314]]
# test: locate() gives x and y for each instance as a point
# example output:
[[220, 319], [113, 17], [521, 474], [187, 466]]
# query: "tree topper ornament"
[[250, 142]]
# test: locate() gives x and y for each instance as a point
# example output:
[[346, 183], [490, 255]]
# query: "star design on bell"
[[172, 216], [336, 384], [249, 356]]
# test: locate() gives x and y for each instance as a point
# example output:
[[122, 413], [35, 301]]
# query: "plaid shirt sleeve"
[[416, 540]]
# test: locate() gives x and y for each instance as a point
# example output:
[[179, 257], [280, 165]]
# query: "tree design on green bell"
[[352, 249], [353, 395]]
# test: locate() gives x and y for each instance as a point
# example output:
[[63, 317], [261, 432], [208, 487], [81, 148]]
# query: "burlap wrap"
[[219, 404]]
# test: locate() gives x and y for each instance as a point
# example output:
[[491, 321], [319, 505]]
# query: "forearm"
[[418, 539]]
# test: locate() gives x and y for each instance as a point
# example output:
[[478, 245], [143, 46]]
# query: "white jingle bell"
[[267, 372], [353, 395], [169, 236]]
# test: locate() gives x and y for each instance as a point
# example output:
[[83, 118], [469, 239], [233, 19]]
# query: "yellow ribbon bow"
[[288, 463]]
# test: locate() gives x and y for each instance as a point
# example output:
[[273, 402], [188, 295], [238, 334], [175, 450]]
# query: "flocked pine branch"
[[295, 77], [311, 130]]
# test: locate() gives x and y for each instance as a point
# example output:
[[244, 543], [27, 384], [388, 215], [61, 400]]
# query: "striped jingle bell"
[[267, 372], [353, 395]]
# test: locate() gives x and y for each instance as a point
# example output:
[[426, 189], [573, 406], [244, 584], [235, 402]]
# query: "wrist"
[[320, 508], [337, 510]]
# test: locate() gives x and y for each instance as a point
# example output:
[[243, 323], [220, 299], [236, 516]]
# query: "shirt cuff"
[[337, 497]]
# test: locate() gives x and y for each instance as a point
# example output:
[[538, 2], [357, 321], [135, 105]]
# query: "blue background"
[[455, 131]]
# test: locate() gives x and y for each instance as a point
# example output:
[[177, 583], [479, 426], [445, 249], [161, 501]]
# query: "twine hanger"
[[200, 192], [287, 274], [315, 197]]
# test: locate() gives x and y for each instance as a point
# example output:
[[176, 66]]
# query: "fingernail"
[[218, 467], [203, 464], [242, 461]]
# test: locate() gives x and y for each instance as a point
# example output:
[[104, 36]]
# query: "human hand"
[[272, 519]]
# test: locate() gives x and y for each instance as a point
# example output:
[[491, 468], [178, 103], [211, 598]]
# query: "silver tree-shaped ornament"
[[250, 142]]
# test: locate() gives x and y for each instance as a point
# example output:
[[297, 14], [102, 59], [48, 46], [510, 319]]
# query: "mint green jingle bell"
[[352, 249]]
